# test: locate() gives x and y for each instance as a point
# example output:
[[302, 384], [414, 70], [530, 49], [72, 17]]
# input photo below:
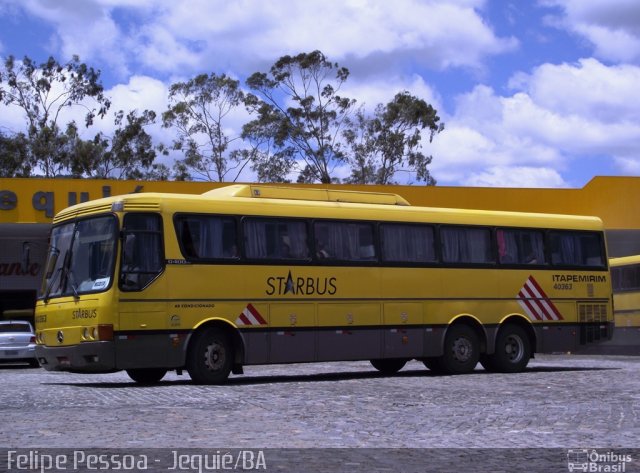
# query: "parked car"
[[17, 342]]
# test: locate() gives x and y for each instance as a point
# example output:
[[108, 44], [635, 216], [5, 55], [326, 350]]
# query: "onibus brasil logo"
[[591, 460]]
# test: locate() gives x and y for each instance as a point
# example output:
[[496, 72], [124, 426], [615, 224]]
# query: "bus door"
[[142, 338]]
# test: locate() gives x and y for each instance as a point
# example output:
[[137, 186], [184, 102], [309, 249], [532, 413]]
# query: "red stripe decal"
[[524, 299], [256, 314], [546, 298]]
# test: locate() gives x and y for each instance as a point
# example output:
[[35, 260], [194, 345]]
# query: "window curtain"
[[407, 243], [342, 241], [297, 236], [465, 245], [211, 238], [570, 251], [256, 238]]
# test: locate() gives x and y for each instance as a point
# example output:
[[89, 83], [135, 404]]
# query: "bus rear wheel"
[[461, 350], [210, 357], [513, 351], [147, 375], [390, 365]]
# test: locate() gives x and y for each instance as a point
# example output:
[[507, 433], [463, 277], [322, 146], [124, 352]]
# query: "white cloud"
[[241, 35], [84, 28], [140, 93], [376, 91], [516, 176], [612, 26], [587, 88], [557, 115]]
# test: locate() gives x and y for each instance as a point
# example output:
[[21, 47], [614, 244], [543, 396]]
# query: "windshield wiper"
[[72, 282], [51, 283]]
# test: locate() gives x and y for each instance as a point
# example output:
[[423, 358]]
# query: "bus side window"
[[345, 241], [466, 244], [276, 239], [205, 238], [520, 246], [576, 248], [142, 251], [407, 243]]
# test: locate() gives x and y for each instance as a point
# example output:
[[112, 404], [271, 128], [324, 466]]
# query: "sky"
[[538, 93]]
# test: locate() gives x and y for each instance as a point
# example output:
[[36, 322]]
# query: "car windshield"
[[81, 257]]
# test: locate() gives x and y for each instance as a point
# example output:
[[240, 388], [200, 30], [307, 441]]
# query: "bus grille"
[[593, 322]]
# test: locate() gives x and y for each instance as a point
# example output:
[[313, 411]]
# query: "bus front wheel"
[[513, 351], [389, 366], [147, 375], [461, 350], [210, 358]]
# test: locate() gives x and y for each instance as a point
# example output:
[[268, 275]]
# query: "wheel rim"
[[514, 348], [214, 356], [462, 349]]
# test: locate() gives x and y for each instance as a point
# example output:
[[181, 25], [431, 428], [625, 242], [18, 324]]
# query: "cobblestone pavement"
[[561, 401]]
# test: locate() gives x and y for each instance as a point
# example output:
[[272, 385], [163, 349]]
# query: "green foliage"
[[301, 129], [198, 110], [128, 154], [42, 91], [299, 117], [14, 159], [390, 141]]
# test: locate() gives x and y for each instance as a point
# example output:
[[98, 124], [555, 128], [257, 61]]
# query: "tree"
[[43, 91], [198, 109], [14, 160], [300, 118], [128, 154], [391, 141]]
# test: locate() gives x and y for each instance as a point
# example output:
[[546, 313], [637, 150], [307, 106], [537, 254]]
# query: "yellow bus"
[[625, 276], [248, 274]]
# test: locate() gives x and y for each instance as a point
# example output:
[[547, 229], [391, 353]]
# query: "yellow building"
[[33, 202]]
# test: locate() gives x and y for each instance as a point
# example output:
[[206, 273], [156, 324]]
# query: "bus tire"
[[210, 357], [461, 350], [146, 375], [513, 350], [389, 366]]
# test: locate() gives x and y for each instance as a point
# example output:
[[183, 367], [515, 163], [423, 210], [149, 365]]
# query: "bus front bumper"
[[90, 357]]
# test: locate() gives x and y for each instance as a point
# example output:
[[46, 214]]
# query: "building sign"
[[38, 200]]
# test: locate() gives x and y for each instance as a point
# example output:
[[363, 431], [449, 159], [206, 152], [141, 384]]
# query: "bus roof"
[[307, 194], [320, 203]]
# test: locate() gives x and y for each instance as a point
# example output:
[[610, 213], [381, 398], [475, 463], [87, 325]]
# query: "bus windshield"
[[81, 257]]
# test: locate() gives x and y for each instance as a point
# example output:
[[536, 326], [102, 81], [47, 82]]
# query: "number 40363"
[[564, 286]]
